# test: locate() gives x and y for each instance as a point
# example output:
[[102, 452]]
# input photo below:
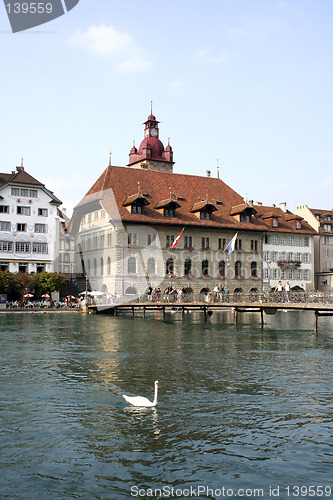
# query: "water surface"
[[239, 406]]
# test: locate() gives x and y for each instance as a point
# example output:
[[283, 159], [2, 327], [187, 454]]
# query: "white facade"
[[288, 256], [29, 225]]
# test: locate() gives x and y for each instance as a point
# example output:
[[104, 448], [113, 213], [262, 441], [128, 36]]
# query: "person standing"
[[279, 290], [287, 290]]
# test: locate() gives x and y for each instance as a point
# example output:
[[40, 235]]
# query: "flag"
[[231, 245], [176, 240]]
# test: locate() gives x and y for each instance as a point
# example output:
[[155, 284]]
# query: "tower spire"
[[110, 159]]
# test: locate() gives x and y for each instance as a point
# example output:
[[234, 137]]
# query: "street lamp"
[[269, 274]]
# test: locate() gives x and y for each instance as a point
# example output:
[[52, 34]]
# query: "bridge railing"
[[293, 297]]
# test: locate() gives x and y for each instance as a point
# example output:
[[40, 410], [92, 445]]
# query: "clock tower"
[[151, 154]]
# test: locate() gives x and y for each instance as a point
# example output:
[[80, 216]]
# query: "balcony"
[[289, 263]]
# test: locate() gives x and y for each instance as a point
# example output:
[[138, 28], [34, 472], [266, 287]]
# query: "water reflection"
[[239, 405]]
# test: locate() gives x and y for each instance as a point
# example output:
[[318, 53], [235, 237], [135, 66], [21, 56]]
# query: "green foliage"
[[16, 285], [49, 282], [6, 282]]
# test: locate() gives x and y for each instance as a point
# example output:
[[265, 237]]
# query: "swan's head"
[[156, 383]]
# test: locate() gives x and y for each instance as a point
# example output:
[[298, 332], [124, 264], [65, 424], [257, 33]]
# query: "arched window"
[[95, 267], [222, 268], [151, 266], [238, 268], [102, 266], [169, 266], [205, 268], [131, 265], [108, 263], [253, 268], [187, 267]]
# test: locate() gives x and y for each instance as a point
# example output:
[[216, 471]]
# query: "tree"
[[6, 282], [49, 282], [23, 282]]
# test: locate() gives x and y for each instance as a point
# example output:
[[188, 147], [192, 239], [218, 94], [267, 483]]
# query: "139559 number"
[[29, 8]]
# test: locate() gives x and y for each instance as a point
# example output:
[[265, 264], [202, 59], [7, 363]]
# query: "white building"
[[288, 247], [29, 224]]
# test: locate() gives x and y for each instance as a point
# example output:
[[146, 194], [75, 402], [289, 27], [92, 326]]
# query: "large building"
[[288, 247], [130, 217], [322, 222], [29, 224]]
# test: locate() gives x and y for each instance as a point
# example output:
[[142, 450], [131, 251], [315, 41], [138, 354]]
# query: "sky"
[[243, 84]]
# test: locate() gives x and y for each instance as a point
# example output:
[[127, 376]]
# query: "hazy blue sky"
[[247, 82]]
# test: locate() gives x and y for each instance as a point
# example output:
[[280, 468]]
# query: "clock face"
[[153, 132]]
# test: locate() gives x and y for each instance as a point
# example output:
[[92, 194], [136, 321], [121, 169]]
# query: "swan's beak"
[[156, 383]]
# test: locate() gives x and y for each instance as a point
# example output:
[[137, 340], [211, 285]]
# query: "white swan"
[[140, 401]]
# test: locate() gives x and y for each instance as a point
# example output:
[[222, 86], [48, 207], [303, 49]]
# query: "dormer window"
[[136, 208], [167, 207], [135, 203], [203, 210], [275, 222], [169, 212], [205, 214], [243, 212], [298, 224]]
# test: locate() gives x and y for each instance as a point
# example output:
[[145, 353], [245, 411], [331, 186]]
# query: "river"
[[242, 410]]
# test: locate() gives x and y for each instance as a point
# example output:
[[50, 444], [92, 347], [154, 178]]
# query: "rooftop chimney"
[[283, 206], [208, 172]]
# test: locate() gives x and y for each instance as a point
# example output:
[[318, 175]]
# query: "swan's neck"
[[155, 396]]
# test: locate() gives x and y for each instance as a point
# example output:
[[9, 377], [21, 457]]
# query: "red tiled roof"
[[188, 190], [285, 220]]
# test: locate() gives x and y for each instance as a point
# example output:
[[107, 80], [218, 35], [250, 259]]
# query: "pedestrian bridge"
[[321, 304]]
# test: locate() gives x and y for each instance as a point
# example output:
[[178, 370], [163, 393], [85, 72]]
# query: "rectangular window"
[[266, 273], [25, 192], [298, 242], [15, 192], [109, 239], [42, 212], [6, 246], [290, 256], [132, 238], [188, 242], [204, 243], [275, 274], [306, 274], [254, 245], [299, 274], [21, 227], [22, 246], [169, 239], [298, 257], [282, 240], [95, 243], [283, 274], [306, 242], [326, 252], [151, 239], [290, 274], [33, 193], [290, 240], [274, 256], [39, 247], [5, 226], [274, 222], [23, 210], [40, 228], [238, 244], [266, 256], [274, 240], [95, 215], [306, 257], [4, 209], [283, 256]]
